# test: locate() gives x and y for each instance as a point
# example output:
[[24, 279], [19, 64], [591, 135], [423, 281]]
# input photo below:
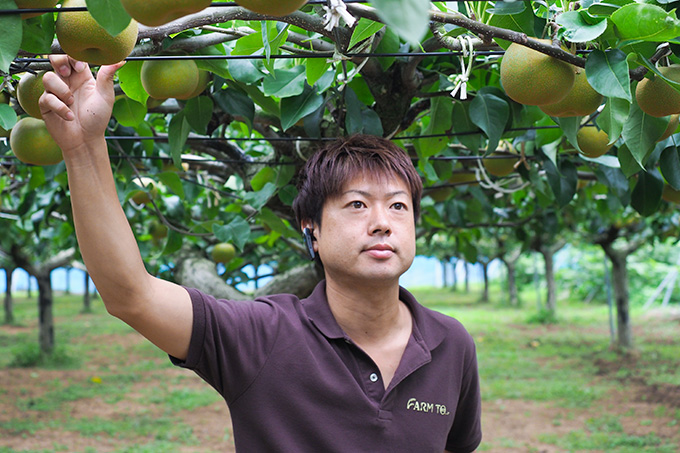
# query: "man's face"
[[367, 233]]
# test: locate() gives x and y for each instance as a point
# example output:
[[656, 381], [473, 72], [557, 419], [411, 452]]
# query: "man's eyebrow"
[[368, 194]]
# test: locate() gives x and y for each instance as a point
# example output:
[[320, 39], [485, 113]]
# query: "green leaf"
[[110, 14], [645, 22], [372, 122], [629, 166], [353, 120], [178, 132], [389, 44], [268, 104], [467, 133], [258, 199], [409, 18], [237, 232], [236, 103], [285, 82], [669, 164], [570, 127], [173, 182], [217, 66], [577, 27], [490, 113], [262, 177], [11, 36], [293, 109], [522, 21], [173, 243], [128, 112], [507, 8], [8, 117], [131, 82], [315, 68], [198, 112], [38, 34], [287, 194], [364, 29], [563, 182], [246, 71], [613, 117], [646, 196], [547, 135], [144, 130], [602, 9], [616, 181], [274, 222], [248, 45], [607, 73], [441, 110], [641, 132]]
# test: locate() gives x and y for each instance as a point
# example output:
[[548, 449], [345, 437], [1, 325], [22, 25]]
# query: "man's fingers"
[[58, 87], [65, 65], [50, 104]]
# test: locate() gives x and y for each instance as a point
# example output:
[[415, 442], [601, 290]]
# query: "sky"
[[425, 271]]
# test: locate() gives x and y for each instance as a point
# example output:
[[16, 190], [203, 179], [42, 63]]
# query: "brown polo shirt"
[[295, 382]]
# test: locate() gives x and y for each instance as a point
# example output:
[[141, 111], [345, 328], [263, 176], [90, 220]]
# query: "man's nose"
[[380, 222]]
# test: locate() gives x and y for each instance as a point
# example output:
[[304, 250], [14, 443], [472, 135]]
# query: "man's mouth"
[[380, 251]]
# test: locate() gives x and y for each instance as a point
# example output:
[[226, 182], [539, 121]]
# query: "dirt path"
[[510, 425]]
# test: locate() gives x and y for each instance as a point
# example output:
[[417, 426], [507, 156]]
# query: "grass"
[[558, 365]]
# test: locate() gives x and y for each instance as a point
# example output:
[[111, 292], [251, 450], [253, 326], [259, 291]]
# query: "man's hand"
[[77, 107]]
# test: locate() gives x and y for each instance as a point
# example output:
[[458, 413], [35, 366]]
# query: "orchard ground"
[[546, 388]]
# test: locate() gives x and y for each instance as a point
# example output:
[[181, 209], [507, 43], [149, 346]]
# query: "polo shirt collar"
[[426, 327]]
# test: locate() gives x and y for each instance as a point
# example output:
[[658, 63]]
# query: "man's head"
[[329, 169]]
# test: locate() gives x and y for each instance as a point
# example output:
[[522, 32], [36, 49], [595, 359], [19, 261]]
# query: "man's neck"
[[367, 313]]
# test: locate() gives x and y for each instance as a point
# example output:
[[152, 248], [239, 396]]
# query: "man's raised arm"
[[76, 108]]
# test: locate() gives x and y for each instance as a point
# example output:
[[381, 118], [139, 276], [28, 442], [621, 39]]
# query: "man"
[[358, 366]]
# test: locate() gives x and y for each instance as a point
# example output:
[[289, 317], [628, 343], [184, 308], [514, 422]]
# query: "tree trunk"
[[195, 271], [485, 275], [46, 315], [29, 291], [620, 281], [467, 276], [68, 280], [9, 303], [87, 300], [300, 281], [445, 280], [510, 260], [551, 301], [454, 277]]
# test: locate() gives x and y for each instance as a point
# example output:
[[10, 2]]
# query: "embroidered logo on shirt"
[[424, 406]]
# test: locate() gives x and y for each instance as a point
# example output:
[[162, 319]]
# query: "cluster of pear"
[[29, 139], [558, 88], [658, 98], [81, 37]]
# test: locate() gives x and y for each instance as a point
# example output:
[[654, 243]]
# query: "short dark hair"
[[330, 168]]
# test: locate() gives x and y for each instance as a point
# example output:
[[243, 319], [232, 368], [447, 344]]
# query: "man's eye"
[[399, 206], [357, 205]]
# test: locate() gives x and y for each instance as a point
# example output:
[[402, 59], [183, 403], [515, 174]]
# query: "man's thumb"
[[105, 76]]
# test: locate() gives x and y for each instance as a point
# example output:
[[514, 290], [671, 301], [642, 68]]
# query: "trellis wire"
[[4, 12]]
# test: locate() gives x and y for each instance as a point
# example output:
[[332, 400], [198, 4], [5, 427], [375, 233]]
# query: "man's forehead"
[[376, 181]]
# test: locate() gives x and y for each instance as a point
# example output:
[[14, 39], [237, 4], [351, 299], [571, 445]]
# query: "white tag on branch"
[[336, 11], [462, 79]]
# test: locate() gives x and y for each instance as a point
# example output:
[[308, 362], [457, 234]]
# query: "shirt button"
[[373, 377]]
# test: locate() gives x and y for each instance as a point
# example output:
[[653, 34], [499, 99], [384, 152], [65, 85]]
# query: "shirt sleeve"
[[466, 432], [230, 341]]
